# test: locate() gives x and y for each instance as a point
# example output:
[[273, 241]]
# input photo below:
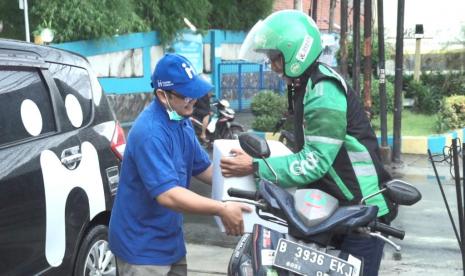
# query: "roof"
[[16, 51]]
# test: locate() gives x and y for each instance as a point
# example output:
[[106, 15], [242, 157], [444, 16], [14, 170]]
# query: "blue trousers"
[[368, 248]]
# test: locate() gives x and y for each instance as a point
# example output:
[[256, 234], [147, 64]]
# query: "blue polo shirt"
[[160, 154]]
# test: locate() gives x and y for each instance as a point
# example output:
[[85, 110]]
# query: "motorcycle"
[[221, 125], [313, 218]]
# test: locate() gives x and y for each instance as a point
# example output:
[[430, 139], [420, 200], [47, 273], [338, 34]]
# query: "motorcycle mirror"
[[402, 193], [224, 103], [254, 145]]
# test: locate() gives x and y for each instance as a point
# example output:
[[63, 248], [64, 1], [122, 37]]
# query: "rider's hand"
[[231, 216], [238, 164]]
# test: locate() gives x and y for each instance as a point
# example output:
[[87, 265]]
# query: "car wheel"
[[94, 255]]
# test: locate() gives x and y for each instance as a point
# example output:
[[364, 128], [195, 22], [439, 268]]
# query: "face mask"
[[173, 115]]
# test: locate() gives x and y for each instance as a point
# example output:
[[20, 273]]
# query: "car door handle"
[[70, 157]]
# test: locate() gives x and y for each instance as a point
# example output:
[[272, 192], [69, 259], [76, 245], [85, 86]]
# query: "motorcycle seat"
[[342, 220]]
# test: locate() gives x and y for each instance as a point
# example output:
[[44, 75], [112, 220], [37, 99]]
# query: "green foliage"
[[389, 51], [13, 20], [238, 14], [427, 101], [265, 123], [268, 107], [268, 103], [445, 84], [432, 88], [85, 19], [375, 109], [88, 19], [452, 113], [167, 17]]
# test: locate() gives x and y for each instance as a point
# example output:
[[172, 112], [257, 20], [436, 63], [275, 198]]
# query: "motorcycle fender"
[[265, 241], [232, 124], [240, 263]]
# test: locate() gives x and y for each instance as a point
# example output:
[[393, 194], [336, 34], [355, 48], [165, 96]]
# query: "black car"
[[60, 153]]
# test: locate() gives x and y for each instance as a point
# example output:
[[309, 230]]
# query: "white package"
[[221, 184]]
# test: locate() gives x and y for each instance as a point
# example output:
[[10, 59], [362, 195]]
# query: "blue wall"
[[145, 41], [116, 44]]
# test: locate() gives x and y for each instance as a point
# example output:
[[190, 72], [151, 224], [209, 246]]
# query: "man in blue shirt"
[[161, 155]]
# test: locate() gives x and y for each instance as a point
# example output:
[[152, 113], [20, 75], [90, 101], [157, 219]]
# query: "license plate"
[[304, 260]]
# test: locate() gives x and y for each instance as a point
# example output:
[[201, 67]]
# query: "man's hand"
[[231, 216], [239, 164]]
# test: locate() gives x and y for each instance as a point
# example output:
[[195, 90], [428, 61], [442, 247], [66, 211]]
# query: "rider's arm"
[[325, 124]]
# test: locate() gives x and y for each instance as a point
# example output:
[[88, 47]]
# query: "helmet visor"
[[259, 45]]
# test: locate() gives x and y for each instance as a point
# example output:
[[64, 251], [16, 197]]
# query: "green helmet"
[[289, 32]]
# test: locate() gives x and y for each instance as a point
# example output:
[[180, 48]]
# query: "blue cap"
[[175, 72]]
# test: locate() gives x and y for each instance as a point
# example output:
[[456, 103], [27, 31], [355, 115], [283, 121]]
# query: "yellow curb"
[[409, 144], [270, 136], [414, 144]]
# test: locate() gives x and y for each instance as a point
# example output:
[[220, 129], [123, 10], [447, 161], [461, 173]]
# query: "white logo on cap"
[[164, 83], [189, 70]]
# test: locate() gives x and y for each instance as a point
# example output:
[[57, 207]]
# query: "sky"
[[441, 20]]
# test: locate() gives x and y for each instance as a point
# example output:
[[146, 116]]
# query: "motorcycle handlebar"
[[374, 226], [242, 194], [388, 230]]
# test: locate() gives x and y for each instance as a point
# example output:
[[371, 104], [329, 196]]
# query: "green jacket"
[[341, 154]]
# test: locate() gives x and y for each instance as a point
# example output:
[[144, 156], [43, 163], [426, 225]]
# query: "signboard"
[[191, 46]]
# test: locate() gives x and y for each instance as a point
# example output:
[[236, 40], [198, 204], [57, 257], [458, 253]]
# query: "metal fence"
[[240, 82]]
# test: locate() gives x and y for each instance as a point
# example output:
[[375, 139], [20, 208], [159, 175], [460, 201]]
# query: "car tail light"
[[118, 142]]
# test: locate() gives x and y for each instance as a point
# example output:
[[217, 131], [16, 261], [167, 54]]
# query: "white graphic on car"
[[31, 117], [58, 183]]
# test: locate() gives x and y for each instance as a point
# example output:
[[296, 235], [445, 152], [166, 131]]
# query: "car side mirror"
[[402, 193], [254, 145]]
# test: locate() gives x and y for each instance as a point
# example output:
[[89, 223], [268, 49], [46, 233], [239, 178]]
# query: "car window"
[[75, 89], [25, 107]]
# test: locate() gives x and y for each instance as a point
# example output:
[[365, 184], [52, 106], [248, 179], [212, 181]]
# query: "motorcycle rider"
[[337, 150]]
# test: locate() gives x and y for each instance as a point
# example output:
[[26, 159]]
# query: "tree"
[[13, 20], [238, 14], [90, 19], [389, 53], [167, 17], [85, 19], [332, 7]]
